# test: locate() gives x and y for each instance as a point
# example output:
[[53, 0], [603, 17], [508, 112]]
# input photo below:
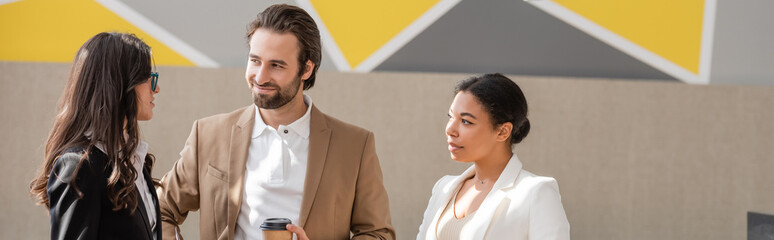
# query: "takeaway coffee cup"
[[274, 229]]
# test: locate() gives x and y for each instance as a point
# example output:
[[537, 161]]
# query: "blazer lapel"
[[447, 192], [319, 138], [240, 144], [143, 215], [156, 208], [483, 216]]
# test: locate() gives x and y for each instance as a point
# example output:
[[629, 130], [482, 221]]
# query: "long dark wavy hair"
[[99, 105]]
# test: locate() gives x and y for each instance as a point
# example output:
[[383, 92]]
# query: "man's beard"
[[282, 97]]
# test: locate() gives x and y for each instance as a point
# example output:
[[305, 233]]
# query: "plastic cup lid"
[[275, 224]]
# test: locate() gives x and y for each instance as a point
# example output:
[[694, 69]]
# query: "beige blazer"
[[343, 189], [520, 205]]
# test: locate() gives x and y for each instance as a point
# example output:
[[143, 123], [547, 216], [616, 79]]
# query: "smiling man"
[[279, 157]]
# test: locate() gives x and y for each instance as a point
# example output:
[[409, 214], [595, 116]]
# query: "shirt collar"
[[300, 126], [139, 161], [140, 151]]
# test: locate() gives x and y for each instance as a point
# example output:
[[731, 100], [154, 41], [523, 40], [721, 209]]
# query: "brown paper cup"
[[277, 235], [275, 229]]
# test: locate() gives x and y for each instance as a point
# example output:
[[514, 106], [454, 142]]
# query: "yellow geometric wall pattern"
[[672, 36], [361, 27], [669, 28], [53, 30], [364, 33]]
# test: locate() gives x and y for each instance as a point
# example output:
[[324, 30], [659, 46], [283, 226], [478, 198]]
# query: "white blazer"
[[521, 205]]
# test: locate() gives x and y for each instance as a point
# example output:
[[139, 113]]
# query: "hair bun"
[[521, 132]]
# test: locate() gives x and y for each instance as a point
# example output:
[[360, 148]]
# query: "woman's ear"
[[504, 131]]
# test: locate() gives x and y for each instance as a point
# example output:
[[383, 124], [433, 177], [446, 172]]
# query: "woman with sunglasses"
[[495, 198], [96, 172]]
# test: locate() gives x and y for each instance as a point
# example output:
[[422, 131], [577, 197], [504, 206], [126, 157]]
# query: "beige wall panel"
[[634, 160], [28, 96]]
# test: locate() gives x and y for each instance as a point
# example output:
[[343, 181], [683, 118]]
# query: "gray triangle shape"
[[513, 37]]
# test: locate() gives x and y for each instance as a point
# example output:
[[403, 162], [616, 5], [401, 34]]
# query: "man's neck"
[[286, 114]]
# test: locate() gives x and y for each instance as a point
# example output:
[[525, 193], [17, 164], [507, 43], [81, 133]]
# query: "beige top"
[[449, 227]]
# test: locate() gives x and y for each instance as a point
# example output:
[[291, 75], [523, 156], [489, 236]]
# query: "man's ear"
[[307, 70], [504, 131]]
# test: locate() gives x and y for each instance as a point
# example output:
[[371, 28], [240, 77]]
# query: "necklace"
[[478, 180]]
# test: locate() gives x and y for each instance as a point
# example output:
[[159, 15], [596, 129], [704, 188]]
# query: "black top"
[[92, 216]]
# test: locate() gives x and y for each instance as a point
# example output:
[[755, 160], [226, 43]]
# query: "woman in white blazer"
[[495, 198]]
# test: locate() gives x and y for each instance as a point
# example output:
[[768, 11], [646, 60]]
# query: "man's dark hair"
[[283, 18]]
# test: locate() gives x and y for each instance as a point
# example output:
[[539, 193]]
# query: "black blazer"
[[92, 216]]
